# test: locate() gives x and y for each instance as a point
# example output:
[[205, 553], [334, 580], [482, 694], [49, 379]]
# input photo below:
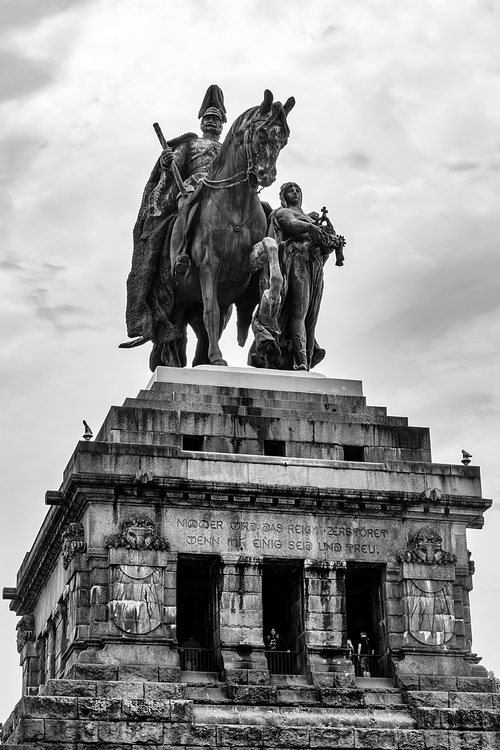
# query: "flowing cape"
[[156, 213]]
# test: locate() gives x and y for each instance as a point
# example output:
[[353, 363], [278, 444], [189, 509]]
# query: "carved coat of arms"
[[429, 588]]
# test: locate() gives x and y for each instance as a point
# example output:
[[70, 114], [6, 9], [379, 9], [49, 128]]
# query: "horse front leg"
[[211, 312]]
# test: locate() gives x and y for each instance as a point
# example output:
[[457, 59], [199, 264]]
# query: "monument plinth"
[[226, 505]]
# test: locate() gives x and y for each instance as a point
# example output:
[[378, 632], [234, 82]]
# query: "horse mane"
[[277, 114]]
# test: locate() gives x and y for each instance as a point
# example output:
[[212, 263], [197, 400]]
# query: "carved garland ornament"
[[73, 540], [425, 547], [138, 532]]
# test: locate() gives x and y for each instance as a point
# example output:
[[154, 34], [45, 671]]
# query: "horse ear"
[[266, 105], [289, 104]]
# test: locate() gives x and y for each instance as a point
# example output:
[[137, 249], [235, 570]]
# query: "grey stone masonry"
[[252, 559]]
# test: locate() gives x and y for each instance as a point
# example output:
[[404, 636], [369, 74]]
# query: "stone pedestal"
[[218, 501]]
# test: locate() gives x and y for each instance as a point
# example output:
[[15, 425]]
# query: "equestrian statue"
[[204, 242]]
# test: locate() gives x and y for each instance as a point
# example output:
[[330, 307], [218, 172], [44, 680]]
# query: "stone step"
[[301, 716], [208, 690], [298, 409], [185, 409], [142, 417], [465, 719], [206, 678], [376, 683], [445, 699], [247, 396], [122, 735], [381, 699], [288, 680], [128, 690], [208, 694]]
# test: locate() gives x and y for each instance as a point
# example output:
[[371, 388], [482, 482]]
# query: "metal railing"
[[365, 665], [281, 662], [197, 659]]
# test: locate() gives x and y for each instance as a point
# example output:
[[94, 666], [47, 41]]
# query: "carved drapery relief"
[[430, 611], [136, 598], [73, 541], [138, 532], [25, 631], [136, 601], [426, 547], [429, 572]]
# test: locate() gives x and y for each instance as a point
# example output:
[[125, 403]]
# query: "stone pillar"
[[394, 620], [432, 583], [325, 624], [241, 621], [80, 613]]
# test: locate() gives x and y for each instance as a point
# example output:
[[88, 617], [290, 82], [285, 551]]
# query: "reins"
[[226, 182]]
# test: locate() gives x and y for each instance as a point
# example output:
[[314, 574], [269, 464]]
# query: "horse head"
[[266, 133], [252, 145]]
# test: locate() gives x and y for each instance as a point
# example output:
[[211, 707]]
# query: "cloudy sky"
[[396, 130]]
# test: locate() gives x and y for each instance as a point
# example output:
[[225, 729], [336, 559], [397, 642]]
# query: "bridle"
[[251, 160]]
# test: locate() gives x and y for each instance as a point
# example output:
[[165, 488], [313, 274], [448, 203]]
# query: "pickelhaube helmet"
[[213, 103]]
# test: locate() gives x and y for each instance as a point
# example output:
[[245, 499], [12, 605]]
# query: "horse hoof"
[[219, 363]]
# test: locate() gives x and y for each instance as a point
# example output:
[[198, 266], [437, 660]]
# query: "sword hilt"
[[173, 166]]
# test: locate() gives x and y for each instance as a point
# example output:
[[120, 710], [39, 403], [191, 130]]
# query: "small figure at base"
[[365, 651], [191, 649], [274, 642]]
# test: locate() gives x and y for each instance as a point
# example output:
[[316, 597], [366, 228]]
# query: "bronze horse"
[[221, 232]]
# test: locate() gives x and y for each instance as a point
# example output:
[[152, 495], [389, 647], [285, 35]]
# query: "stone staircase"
[[200, 711]]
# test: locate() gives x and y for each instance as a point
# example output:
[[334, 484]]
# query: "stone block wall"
[[132, 714]]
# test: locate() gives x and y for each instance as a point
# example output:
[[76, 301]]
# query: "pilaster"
[[325, 623], [241, 620]]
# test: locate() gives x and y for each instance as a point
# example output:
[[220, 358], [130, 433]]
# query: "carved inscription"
[[202, 532], [254, 536]]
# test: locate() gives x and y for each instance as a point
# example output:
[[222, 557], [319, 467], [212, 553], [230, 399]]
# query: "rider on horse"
[[218, 229], [187, 157]]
